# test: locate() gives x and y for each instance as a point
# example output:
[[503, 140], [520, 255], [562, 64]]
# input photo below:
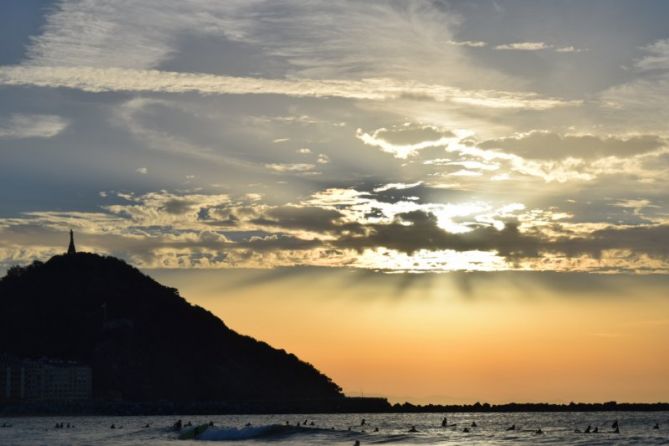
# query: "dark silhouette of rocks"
[[143, 341]]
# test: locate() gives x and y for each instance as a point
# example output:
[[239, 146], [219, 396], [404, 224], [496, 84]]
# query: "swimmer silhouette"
[[444, 422], [376, 429], [511, 428], [657, 426], [465, 430], [616, 430], [588, 429], [596, 430], [474, 424], [614, 425], [413, 429], [362, 422], [539, 432]]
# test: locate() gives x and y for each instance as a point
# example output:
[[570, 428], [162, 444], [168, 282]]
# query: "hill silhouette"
[[143, 341]]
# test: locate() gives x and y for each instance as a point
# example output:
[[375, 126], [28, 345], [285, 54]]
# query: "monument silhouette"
[[71, 250]]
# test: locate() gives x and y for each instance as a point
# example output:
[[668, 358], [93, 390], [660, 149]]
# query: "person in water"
[[614, 425], [444, 422], [465, 430], [413, 429], [588, 429], [178, 425], [657, 426], [474, 424], [356, 443], [511, 428], [539, 432], [362, 422]]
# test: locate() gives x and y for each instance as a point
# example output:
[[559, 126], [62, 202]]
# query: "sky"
[[429, 200]]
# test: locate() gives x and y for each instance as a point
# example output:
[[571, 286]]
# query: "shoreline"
[[345, 406]]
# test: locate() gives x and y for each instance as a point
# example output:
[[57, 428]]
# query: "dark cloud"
[[650, 240], [547, 145], [416, 230], [178, 207], [314, 219], [279, 242]]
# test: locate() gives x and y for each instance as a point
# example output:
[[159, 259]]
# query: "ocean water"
[[636, 428]]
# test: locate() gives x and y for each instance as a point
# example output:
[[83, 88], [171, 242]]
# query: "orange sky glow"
[[437, 340]]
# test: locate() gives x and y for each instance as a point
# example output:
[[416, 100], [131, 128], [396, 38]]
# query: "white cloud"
[[142, 170], [304, 151], [20, 126], [98, 80], [657, 56], [291, 167], [524, 46], [323, 159], [407, 139], [570, 49], [397, 186], [468, 43]]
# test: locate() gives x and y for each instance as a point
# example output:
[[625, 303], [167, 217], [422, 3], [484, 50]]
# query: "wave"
[[270, 431]]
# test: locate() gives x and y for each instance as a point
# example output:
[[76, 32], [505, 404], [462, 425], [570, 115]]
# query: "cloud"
[[397, 186], [407, 139], [569, 49], [419, 230], [21, 126], [656, 58], [142, 170], [468, 43], [548, 145], [338, 228], [307, 218], [524, 46], [291, 167], [641, 102], [98, 80]]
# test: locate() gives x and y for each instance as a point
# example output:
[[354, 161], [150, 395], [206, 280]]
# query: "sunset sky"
[[434, 201]]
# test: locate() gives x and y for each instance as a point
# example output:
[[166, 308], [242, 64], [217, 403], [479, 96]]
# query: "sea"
[[636, 428]]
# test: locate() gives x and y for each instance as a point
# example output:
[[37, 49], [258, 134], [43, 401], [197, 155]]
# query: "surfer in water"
[[413, 429], [444, 422]]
